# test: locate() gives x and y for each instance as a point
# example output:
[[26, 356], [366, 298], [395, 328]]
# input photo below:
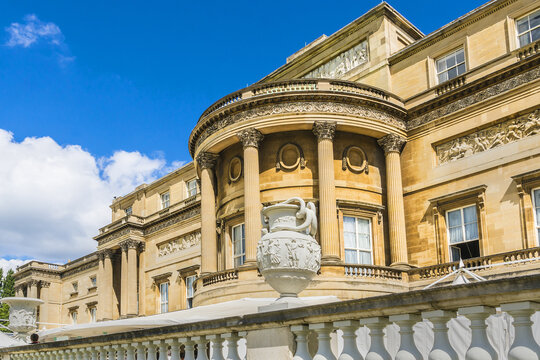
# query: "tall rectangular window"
[[93, 314], [191, 188], [358, 246], [239, 245], [528, 28], [128, 211], [165, 200], [463, 233], [536, 204], [93, 281], [450, 65], [190, 281], [73, 318], [164, 296]]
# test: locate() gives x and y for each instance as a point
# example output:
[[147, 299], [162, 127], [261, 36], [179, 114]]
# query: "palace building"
[[417, 150]]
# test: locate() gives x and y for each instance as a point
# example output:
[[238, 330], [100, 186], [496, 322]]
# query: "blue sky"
[[105, 93]]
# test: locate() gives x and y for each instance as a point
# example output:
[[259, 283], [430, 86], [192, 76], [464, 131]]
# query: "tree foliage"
[[7, 289]]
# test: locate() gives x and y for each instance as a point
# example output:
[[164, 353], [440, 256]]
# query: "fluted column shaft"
[[207, 162], [124, 282], [105, 282], [251, 140], [328, 225], [132, 279], [392, 145]]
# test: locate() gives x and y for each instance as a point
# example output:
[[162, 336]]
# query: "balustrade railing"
[[496, 319], [220, 276], [371, 271]]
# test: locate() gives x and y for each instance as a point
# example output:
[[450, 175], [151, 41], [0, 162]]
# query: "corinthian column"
[[325, 132], [129, 277], [392, 145], [105, 283], [207, 162], [251, 139]]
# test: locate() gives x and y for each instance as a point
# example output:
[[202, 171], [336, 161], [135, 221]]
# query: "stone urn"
[[22, 315], [288, 256]]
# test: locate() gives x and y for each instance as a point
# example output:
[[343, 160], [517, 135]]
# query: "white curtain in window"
[[454, 226], [364, 240], [471, 223]]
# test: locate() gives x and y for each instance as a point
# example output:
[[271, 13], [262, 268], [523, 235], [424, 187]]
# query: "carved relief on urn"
[[22, 315], [288, 256]]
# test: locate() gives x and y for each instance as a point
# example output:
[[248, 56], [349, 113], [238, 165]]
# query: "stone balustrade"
[[453, 322], [220, 276]]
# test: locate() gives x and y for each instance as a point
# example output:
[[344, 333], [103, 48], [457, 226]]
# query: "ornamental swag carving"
[[182, 243], [489, 138], [342, 63]]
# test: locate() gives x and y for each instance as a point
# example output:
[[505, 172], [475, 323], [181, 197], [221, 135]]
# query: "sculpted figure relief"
[[342, 63], [489, 138], [182, 243]]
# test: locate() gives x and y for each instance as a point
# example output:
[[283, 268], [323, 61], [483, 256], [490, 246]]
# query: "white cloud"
[[31, 30], [5, 265], [54, 198]]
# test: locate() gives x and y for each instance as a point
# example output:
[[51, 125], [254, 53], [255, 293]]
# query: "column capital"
[[130, 244], [105, 253], [207, 160], [391, 143], [250, 137], [324, 130], [45, 284]]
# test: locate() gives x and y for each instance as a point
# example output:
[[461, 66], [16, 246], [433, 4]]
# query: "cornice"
[[86, 266]]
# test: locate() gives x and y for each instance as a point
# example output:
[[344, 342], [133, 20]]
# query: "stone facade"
[[357, 124]]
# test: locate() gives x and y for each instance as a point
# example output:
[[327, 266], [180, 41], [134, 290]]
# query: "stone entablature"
[[496, 135], [176, 245]]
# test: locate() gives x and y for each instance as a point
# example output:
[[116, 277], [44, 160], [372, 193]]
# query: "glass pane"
[[450, 61], [534, 19], [461, 69], [350, 240], [523, 24], [452, 73], [537, 198], [454, 218], [471, 231], [365, 257], [237, 261], [460, 56], [469, 214], [443, 77], [350, 257], [349, 224], [524, 39], [364, 242], [441, 65], [456, 235], [456, 253], [535, 34], [538, 217]]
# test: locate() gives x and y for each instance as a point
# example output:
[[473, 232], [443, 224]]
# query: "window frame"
[[188, 193], [370, 224], [168, 201], [529, 30], [479, 232], [444, 56], [243, 243], [189, 304], [536, 219], [161, 298]]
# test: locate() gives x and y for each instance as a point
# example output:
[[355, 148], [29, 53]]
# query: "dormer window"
[[528, 28], [450, 65], [128, 211]]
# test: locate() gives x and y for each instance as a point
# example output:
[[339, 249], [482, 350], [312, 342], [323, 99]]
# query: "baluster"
[[524, 346], [129, 351], [63, 354], [324, 351], [217, 347], [141, 351], [376, 325], [350, 349], [302, 351], [111, 352], [407, 349], [480, 348], [150, 350], [201, 347], [86, 354], [120, 352], [189, 347], [175, 348], [78, 354], [442, 350], [232, 345], [54, 355], [94, 354], [163, 349]]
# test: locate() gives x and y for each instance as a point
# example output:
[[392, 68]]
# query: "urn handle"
[[305, 212]]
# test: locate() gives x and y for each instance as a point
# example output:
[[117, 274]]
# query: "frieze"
[[475, 97], [182, 243], [301, 107], [342, 63], [489, 138], [113, 236], [89, 265], [173, 220]]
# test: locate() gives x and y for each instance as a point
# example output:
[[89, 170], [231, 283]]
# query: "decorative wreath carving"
[[236, 166], [289, 157], [355, 159]]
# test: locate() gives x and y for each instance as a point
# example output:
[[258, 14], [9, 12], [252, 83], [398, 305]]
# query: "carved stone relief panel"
[[289, 157], [179, 244], [489, 138], [342, 63], [355, 159]]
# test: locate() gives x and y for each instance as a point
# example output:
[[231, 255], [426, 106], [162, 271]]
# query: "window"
[[73, 316], [536, 204], [93, 281], [190, 281], [165, 200], [357, 236], [93, 314], [450, 66], [164, 296], [128, 211], [528, 28], [239, 244], [75, 286], [463, 237], [191, 187]]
